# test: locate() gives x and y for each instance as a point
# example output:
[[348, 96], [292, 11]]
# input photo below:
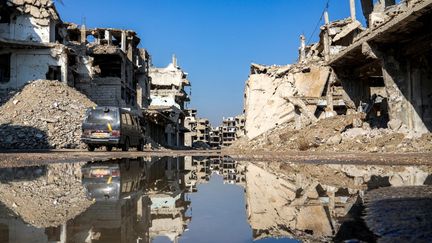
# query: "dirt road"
[[27, 158]]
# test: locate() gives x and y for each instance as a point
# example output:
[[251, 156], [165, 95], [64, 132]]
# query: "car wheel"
[[140, 146], [109, 148], [91, 148], [126, 145]]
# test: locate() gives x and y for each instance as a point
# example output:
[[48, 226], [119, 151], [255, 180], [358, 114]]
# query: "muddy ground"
[[17, 158]]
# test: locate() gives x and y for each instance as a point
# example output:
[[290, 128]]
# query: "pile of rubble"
[[44, 114], [347, 133], [44, 196]]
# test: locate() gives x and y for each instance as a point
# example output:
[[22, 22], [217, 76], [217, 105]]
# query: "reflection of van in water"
[[113, 180], [111, 127]]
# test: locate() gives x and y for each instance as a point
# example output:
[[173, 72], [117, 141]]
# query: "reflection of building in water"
[[121, 212], [317, 202], [202, 167], [168, 202], [231, 170], [122, 220]]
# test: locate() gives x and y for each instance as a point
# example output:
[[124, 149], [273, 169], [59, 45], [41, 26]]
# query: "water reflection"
[[146, 199]]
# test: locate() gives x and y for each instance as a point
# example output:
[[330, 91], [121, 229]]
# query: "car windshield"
[[102, 116]]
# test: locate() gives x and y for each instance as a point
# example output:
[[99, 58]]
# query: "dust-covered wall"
[[269, 89], [32, 64]]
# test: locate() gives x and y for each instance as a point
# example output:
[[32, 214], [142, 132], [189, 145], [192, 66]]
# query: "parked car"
[[112, 127]]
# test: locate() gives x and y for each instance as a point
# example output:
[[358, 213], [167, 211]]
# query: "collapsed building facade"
[[382, 70], [104, 64], [107, 66]]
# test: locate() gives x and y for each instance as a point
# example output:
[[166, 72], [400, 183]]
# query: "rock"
[[335, 140], [357, 122], [394, 124], [355, 132]]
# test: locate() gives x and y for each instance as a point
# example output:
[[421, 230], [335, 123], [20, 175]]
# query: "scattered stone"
[[394, 124], [336, 139]]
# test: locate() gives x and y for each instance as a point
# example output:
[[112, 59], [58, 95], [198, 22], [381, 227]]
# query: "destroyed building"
[[198, 129], [391, 60], [215, 136], [228, 131], [168, 99], [191, 125], [107, 65], [104, 64], [381, 70], [31, 43]]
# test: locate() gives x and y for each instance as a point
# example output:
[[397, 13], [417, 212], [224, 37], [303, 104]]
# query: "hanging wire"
[[319, 22]]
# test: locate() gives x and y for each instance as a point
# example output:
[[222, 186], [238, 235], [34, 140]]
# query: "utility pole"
[[352, 10], [326, 37]]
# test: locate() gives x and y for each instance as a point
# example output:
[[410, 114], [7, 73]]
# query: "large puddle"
[[201, 199]]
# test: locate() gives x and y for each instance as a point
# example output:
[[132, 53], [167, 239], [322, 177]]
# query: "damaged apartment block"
[[168, 98], [391, 62], [382, 71], [107, 66], [104, 64], [31, 42]]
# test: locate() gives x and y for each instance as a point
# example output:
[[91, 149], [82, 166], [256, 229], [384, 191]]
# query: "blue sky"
[[215, 40]]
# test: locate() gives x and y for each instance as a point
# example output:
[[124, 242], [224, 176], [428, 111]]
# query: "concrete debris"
[[337, 134], [350, 70], [41, 10], [104, 64], [48, 115], [285, 90], [44, 196], [394, 124]]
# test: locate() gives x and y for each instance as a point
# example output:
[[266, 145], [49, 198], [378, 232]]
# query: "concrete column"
[[353, 10], [329, 95], [326, 38], [302, 48], [64, 67], [139, 96], [123, 41], [83, 34], [108, 37], [174, 60], [63, 233], [178, 135], [140, 208], [401, 100], [367, 7]]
